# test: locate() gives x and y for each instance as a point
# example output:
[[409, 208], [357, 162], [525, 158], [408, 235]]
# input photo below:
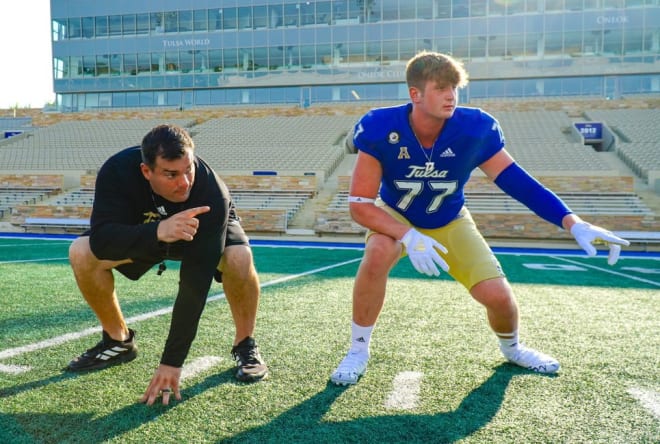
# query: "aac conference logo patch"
[[393, 137]]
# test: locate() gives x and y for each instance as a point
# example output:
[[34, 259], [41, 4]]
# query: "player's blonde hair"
[[437, 67]]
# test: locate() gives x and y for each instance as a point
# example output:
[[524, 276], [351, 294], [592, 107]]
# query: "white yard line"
[[607, 270], [20, 261], [405, 392], [197, 366], [649, 400], [11, 352]]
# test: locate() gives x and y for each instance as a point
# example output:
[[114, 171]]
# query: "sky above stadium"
[[26, 74]]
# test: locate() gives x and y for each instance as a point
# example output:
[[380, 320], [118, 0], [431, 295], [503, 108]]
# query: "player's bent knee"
[[79, 250], [382, 252], [237, 261], [81, 255]]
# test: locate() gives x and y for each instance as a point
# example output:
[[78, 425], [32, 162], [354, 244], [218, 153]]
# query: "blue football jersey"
[[426, 185]]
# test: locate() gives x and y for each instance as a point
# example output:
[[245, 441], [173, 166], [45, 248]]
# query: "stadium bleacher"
[[638, 135], [253, 150]]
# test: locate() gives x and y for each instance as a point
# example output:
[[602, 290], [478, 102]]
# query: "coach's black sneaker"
[[250, 367], [106, 353]]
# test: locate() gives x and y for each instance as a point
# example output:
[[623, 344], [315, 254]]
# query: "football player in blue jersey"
[[407, 189]]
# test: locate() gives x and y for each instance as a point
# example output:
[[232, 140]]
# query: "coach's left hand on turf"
[[587, 235], [165, 382]]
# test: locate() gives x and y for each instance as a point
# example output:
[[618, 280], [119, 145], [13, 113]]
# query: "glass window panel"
[[59, 68], [186, 81], [554, 5], [102, 65], [275, 57], [157, 62], [407, 10], [73, 67], [186, 61], [200, 20], [171, 81], [261, 57], [230, 58], [460, 8], [88, 27], [171, 61], [116, 83], [118, 99], [496, 7], [292, 56], [478, 8], [574, 5], [554, 43], [114, 25], [277, 95], [201, 80], [245, 17], [613, 4], [88, 66], [157, 22], [307, 13], [130, 64], [115, 64], [246, 60], [171, 19], [461, 47], [75, 28], [229, 18], [202, 97], [260, 17], [407, 49], [215, 19], [101, 26], [142, 22], [132, 99], [308, 54], [633, 41], [425, 9], [215, 60], [146, 98], [275, 16], [143, 63], [91, 100], [157, 81], [200, 58], [323, 14], [185, 21], [218, 96], [515, 45], [129, 24]]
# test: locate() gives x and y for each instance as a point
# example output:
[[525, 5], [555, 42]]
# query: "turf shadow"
[[304, 423], [56, 428]]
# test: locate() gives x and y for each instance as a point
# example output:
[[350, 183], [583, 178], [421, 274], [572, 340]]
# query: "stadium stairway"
[[303, 222]]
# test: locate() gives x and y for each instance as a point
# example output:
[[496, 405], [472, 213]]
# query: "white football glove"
[[587, 235], [422, 252]]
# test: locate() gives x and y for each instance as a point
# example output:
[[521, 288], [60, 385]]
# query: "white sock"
[[360, 338], [508, 341]]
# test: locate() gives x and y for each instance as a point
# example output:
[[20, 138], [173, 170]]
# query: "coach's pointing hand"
[[181, 226]]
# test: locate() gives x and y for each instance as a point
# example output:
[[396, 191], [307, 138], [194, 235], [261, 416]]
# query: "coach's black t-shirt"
[[125, 217]]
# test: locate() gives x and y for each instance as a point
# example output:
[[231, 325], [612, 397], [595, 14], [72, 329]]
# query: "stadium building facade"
[[184, 53]]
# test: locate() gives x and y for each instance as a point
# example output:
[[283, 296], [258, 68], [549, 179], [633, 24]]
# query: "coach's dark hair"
[[167, 141]]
